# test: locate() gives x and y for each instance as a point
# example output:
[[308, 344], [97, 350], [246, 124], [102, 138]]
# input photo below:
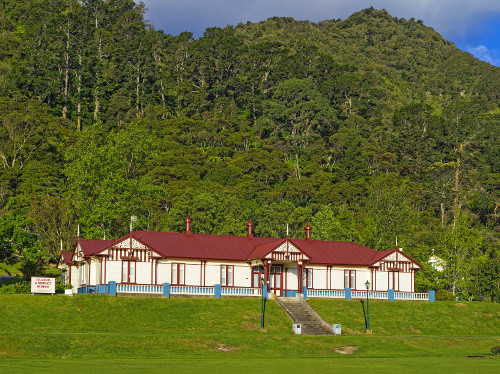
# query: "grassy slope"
[[97, 327]]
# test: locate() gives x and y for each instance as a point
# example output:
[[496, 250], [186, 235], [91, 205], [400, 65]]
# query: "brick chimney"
[[188, 225], [308, 232], [249, 226]]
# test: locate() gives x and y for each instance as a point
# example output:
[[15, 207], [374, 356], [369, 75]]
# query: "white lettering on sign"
[[43, 285]]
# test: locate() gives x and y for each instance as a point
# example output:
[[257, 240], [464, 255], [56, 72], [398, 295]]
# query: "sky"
[[472, 25]]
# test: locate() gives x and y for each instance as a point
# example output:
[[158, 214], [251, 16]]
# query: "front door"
[[276, 280]]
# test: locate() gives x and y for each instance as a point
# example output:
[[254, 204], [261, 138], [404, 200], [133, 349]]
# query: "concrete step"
[[310, 324]]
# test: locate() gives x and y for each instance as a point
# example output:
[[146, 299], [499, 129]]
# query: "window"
[[307, 278], [350, 279], [393, 280], [82, 274], [226, 275], [257, 273], [178, 274], [128, 271]]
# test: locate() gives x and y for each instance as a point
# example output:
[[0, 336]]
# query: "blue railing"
[[218, 291], [349, 294]]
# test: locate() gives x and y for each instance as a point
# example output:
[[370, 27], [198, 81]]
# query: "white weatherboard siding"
[[337, 279], [94, 268], [319, 277], [143, 272], [212, 273], [292, 278], [193, 271], [74, 277], [405, 282], [242, 275], [382, 281], [362, 276], [163, 272], [114, 271]]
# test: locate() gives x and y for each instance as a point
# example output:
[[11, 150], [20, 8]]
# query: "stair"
[[303, 313]]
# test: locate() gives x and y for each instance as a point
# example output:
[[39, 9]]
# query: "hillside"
[[373, 129]]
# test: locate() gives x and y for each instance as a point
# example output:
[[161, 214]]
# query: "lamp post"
[[262, 308], [367, 285]]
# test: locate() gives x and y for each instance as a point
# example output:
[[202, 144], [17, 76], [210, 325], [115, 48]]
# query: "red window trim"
[[135, 272], [183, 274], [227, 272], [350, 277], [305, 275]]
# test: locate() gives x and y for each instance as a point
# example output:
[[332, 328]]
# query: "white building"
[[188, 259]]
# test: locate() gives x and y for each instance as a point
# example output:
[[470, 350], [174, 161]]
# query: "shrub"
[[444, 295], [495, 350], [24, 287], [16, 288]]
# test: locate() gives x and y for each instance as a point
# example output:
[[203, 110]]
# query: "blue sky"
[[473, 25]]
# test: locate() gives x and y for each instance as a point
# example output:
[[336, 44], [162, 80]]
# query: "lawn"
[[50, 332]]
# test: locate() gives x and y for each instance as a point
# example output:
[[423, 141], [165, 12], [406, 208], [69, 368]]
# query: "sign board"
[[43, 285]]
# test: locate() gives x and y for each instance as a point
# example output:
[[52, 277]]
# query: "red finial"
[[188, 225], [249, 226], [308, 232]]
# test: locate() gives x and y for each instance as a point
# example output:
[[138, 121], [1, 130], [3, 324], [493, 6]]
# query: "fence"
[[218, 291], [349, 294]]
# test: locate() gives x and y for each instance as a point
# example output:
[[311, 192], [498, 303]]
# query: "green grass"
[[215, 334], [254, 365], [10, 270]]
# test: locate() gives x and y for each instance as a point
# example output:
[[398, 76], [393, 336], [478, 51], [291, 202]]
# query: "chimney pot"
[[308, 232], [249, 226], [188, 225]]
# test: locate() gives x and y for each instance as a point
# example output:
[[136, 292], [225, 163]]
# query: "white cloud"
[[461, 21], [483, 53], [446, 16]]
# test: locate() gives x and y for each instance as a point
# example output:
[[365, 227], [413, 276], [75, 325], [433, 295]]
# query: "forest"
[[373, 129]]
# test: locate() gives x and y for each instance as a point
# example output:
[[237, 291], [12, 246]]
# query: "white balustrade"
[[139, 288], [419, 296], [192, 290], [327, 294], [240, 291]]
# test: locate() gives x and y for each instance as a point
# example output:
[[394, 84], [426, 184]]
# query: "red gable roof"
[[240, 248], [66, 257], [263, 249], [92, 246], [382, 254], [339, 253], [200, 246]]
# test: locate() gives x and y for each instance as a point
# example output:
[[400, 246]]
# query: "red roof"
[[240, 248], [382, 254], [200, 246], [92, 246], [339, 253], [66, 257], [263, 249]]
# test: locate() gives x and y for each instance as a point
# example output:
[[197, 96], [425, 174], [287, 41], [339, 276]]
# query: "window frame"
[[127, 264], [178, 272], [307, 278], [225, 271], [351, 276]]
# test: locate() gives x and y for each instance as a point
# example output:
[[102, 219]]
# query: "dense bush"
[[24, 287], [444, 295], [495, 350], [16, 288]]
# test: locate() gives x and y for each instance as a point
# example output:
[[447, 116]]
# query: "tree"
[[485, 279], [459, 245], [328, 226]]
